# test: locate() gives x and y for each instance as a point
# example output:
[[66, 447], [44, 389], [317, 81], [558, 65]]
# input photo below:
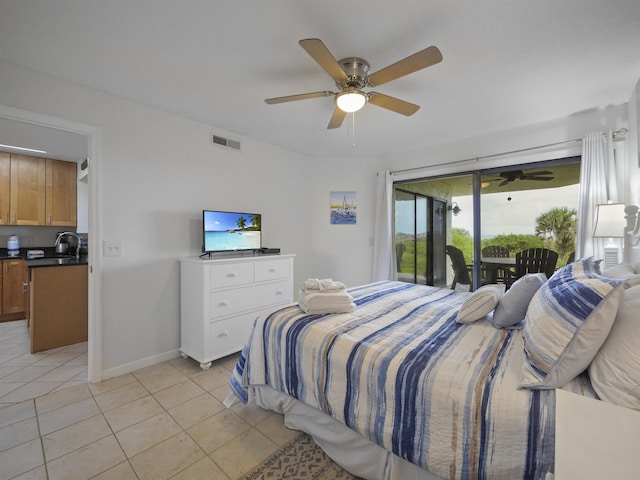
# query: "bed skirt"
[[356, 454]]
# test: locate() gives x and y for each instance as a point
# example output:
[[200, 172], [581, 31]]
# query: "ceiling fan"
[[351, 75], [508, 177]]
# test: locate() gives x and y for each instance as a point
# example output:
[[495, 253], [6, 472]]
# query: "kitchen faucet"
[[73, 234]]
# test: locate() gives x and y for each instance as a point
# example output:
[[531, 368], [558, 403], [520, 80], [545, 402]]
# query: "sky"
[[518, 216], [500, 215], [216, 221]]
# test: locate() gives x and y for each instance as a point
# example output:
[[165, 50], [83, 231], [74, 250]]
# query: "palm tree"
[[558, 228], [241, 222]]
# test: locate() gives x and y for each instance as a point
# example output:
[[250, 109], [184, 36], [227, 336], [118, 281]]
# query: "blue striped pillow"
[[567, 322]]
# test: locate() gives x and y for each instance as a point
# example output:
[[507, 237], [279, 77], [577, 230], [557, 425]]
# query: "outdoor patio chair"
[[497, 274], [533, 260], [460, 268]]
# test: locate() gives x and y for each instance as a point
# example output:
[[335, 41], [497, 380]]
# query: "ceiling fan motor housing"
[[356, 69]]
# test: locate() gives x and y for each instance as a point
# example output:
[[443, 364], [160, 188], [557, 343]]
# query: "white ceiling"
[[506, 64]]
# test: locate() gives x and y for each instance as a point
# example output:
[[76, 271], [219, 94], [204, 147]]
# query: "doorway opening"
[[92, 136]]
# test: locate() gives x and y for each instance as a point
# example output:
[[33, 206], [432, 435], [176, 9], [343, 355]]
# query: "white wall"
[[572, 127], [157, 172], [343, 252]]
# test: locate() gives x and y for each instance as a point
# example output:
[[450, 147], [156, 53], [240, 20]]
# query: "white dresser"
[[221, 298]]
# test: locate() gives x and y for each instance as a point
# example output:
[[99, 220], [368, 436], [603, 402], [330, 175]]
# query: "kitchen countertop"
[[49, 260], [56, 261]]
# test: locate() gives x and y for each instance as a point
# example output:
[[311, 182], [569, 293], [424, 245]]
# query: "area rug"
[[300, 459]]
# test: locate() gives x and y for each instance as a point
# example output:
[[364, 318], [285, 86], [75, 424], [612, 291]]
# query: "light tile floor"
[[160, 422], [24, 375]]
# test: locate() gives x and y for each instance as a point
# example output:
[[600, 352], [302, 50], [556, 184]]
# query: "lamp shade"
[[351, 100], [610, 220]]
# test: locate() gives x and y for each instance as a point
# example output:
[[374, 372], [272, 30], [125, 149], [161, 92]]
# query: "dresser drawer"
[[230, 302], [231, 274], [229, 335], [272, 269]]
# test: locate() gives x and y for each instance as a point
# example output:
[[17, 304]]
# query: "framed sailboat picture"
[[343, 208]]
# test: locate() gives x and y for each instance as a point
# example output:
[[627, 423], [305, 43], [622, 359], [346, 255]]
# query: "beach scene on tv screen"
[[231, 231]]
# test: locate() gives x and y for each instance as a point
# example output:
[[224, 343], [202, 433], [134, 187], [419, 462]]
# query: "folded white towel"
[[326, 302], [322, 284]]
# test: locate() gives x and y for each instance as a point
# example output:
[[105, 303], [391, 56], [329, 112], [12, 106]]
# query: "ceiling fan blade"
[[392, 103], [502, 184], [321, 54], [302, 96], [541, 172], [337, 118], [423, 59], [527, 177]]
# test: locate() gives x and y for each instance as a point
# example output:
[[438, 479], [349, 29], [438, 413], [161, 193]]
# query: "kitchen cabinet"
[[5, 187], [59, 306], [220, 299], [36, 191], [27, 205], [61, 197], [14, 284]]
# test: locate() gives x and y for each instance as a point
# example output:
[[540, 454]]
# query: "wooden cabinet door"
[[61, 193], [27, 190], [13, 286], [5, 186]]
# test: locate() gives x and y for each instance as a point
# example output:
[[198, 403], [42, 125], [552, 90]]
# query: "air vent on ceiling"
[[224, 142]]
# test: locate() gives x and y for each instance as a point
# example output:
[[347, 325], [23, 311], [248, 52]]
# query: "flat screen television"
[[230, 231]]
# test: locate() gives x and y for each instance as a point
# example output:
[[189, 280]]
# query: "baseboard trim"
[[138, 364]]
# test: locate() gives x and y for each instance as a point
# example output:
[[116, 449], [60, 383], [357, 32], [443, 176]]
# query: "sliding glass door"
[[420, 238], [513, 208]]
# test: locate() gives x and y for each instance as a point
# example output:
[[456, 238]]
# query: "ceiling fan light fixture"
[[351, 100]]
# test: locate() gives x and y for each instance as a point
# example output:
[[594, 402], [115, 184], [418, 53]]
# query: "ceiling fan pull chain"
[[353, 129]]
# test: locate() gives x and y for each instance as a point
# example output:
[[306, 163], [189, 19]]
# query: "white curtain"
[[597, 185], [384, 261]]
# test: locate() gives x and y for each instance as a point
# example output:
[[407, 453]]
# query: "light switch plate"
[[112, 248]]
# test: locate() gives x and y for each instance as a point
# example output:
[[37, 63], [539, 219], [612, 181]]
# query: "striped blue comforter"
[[400, 371]]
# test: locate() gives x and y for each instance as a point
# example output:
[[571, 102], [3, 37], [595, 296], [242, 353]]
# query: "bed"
[[400, 388]]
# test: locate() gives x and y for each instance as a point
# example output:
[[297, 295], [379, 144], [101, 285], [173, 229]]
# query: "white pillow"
[[480, 303], [567, 322], [513, 306], [622, 270], [615, 370]]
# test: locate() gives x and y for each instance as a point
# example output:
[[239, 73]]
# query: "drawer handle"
[[232, 275], [272, 270], [224, 333], [279, 292], [224, 303]]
